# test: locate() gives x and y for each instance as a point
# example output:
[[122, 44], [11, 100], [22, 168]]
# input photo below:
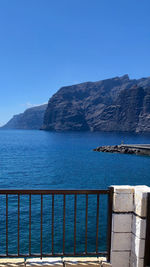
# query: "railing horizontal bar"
[[47, 192], [71, 254], [54, 255]]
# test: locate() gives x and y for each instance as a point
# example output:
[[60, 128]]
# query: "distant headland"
[[31, 119]]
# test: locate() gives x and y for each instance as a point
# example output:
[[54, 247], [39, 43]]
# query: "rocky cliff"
[[117, 104], [32, 118]]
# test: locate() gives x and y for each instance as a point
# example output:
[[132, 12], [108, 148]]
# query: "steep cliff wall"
[[117, 104]]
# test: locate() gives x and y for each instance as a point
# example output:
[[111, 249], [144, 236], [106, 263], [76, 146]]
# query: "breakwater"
[[138, 149]]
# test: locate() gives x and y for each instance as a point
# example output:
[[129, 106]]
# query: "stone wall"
[[129, 226]]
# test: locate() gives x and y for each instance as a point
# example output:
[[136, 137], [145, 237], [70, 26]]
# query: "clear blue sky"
[[46, 44]]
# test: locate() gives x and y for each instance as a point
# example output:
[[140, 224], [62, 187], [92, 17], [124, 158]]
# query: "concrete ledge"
[[46, 262], [68, 262], [19, 262], [105, 264], [87, 262], [81, 262], [56, 262], [83, 259]]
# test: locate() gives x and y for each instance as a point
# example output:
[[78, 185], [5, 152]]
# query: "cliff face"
[[32, 118], [117, 104], [123, 115]]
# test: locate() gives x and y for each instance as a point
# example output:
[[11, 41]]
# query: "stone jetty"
[[140, 149]]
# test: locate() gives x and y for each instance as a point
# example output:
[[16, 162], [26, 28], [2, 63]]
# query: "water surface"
[[38, 159], [48, 160]]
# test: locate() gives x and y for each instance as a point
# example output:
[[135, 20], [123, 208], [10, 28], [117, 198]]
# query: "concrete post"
[[129, 226], [139, 226]]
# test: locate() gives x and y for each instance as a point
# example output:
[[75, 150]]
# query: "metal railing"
[[107, 211]]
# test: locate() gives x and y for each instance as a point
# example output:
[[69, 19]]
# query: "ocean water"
[[48, 160]]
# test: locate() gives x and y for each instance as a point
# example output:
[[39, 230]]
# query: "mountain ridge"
[[31, 118], [116, 104], [99, 106]]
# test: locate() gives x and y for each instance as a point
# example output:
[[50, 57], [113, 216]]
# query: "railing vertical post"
[[41, 224], [6, 224], [29, 224], [110, 207], [64, 212], [18, 222], [97, 223], [75, 215], [147, 241], [52, 224], [86, 223]]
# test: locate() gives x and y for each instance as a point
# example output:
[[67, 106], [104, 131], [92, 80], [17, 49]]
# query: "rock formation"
[[117, 104], [32, 118]]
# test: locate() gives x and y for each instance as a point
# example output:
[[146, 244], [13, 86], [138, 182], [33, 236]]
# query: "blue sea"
[[49, 160]]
